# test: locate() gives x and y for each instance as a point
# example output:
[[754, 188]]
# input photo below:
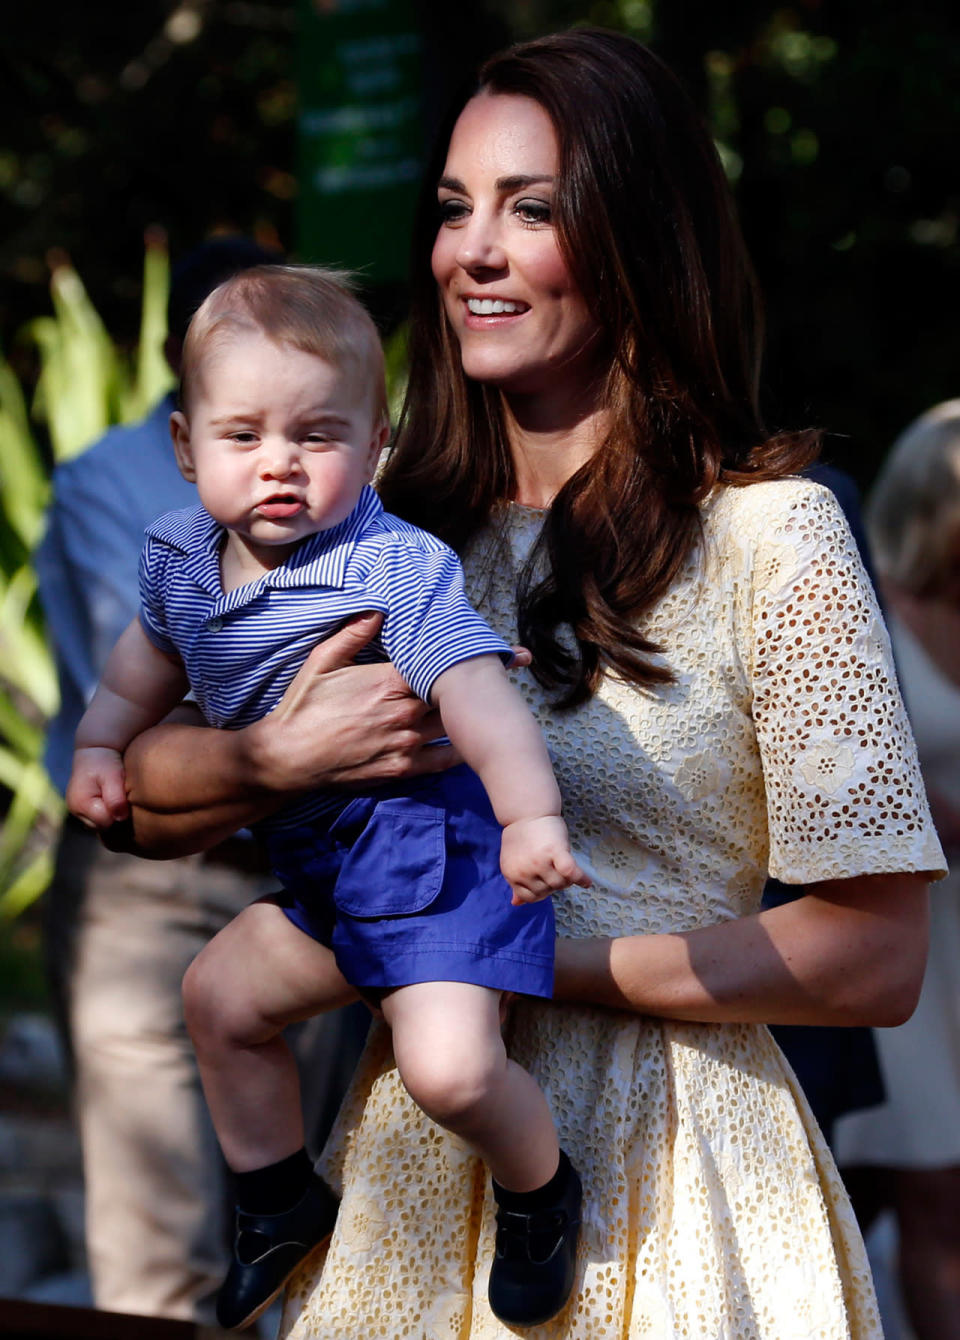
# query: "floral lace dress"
[[712, 1207]]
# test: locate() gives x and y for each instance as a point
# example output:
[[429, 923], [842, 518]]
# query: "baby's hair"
[[309, 308]]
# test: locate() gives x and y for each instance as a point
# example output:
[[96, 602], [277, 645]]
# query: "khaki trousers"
[[121, 931]]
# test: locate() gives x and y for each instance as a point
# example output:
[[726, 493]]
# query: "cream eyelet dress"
[[712, 1207]]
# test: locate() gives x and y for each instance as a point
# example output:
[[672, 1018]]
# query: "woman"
[[715, 686], [910, 1146]]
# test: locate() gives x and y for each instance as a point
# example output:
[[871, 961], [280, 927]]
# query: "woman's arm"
[[338, 725], [852, 951]]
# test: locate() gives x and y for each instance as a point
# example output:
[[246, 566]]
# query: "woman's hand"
[[852, 951], [346, 725], [339, 724]]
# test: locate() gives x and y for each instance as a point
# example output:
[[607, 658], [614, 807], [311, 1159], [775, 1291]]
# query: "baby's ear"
[[377, 444], [180, 433]]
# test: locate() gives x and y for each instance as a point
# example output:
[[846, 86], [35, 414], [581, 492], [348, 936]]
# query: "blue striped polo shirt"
[[241, 648]]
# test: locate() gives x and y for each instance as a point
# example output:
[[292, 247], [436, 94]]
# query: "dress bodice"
[[769, 750]]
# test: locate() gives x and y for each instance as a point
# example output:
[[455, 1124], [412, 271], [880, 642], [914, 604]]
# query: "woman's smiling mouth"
[[495, 307]]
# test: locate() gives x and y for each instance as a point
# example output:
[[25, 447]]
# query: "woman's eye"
[[452, 211], [533, 212]]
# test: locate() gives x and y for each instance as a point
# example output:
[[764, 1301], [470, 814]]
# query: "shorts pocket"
[[395, 865]]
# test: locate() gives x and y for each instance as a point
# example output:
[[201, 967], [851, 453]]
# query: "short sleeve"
[[153, 558], [429, 625], [843, 785]]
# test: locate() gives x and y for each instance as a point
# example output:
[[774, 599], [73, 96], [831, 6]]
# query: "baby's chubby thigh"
[[448, 1047]]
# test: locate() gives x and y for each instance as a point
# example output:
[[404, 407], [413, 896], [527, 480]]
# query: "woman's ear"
[[180, 432]]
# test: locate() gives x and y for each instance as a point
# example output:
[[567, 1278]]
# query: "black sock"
[[275, 1188], [541, 1198]]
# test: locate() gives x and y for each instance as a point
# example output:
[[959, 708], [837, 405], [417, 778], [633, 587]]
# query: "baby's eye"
[[533, 213], [316, 439], [243, 438], [452, 211]]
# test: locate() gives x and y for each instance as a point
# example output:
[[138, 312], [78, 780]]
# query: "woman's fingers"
[[521, 656], [343, 646], [432, 758], [344, 725]]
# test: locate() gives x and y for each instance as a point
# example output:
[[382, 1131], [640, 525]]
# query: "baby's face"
[[279, 442]]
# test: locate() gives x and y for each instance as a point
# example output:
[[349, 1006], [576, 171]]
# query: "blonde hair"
[[913, 512], [311, 309]]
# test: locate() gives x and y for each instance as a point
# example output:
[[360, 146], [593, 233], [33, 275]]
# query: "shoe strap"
[[535, 1237], [537, 1221], [270, 1245], [286, 1229]]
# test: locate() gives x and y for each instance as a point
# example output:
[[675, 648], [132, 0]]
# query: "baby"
[[282, 422]]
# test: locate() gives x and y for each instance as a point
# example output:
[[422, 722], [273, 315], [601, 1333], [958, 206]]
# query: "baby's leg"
[[258, 975], [451, 1057]]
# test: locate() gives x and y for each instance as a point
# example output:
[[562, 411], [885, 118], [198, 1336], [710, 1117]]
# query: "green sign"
[[361, 138]]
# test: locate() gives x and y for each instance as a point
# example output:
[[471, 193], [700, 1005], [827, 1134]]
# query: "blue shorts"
[[405, 886]]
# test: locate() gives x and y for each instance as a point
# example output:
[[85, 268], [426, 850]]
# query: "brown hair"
[[309, 308], [647, 227]]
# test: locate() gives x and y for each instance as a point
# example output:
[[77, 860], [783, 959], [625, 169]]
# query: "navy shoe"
[[535, 1262], [267, 1249]]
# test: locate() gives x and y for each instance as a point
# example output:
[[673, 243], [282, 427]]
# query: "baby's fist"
[[97, 793], [536, 859]]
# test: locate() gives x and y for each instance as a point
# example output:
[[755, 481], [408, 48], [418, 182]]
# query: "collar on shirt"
[[319, 560]]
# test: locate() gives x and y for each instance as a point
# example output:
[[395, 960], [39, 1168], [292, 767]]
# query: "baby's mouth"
[[280, 506]]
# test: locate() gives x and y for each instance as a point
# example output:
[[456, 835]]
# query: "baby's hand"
[[96, 793], [536, 859]]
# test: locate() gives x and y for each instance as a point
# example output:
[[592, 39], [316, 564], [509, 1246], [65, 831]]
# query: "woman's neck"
[[549, 442]]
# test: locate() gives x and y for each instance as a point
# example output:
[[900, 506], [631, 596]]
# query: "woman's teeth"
[[492, 306]]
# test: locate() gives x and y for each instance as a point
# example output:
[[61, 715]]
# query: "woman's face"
[[520, 319]]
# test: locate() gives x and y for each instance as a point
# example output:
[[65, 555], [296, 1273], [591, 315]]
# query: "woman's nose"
[[480, 245]]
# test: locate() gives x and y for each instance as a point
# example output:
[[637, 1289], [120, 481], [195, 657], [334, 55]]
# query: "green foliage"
[[22, 977], [85, 384], [395, 370], [23, 480]]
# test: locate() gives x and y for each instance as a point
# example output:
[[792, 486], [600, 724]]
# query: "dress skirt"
[[712, 1207]]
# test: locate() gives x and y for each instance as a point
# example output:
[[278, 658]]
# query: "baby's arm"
[[491, 726], [139, 686]]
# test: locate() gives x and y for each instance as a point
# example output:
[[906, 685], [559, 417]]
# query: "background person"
[[582, 423], [120, 931], [908, 1149]]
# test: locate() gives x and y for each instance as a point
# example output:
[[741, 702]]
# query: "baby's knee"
[[213, 1018], [450, 1086]]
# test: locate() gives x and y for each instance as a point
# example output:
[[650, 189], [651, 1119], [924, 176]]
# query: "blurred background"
[[133, 132]]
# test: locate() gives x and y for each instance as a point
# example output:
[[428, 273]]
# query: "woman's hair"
[[647, 228], [913, 511], [309, 308]]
